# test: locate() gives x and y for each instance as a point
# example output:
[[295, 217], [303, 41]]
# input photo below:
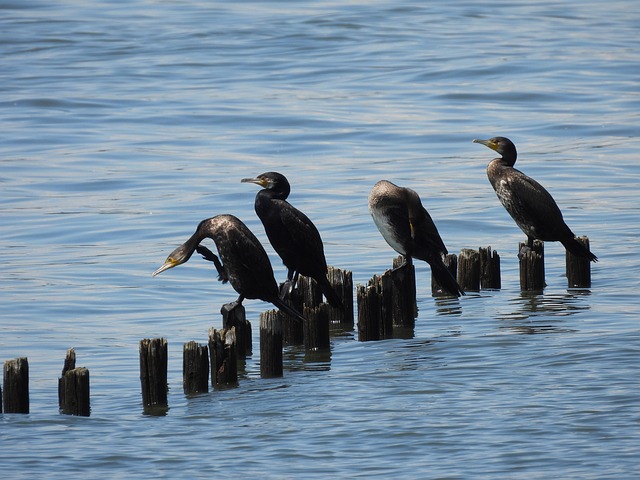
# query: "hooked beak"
[[169, 263], [487, 143], [258, 181]]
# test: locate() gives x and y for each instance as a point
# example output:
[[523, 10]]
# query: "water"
[[126, 123]]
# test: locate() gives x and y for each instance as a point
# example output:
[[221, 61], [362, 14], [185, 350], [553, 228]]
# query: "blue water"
[[126, 123]]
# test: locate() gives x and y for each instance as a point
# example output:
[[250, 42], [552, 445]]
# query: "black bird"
[[408, 228], [245, 264], [531, 206], [293, 236]]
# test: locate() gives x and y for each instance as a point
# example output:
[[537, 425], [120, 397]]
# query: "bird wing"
[[533, 205], [423, 230], [305, 238]]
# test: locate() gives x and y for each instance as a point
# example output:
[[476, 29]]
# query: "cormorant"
[[293, 236], [245, 264], [408, 228], [531, 206]]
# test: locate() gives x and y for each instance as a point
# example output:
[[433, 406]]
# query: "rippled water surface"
[[126, 123]]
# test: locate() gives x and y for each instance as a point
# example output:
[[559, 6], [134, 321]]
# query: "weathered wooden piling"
[[316, 327], [153, 375], [69, 364], [223, 358], [489, 269], [234, 315], [15, 391], [369, 312], [270, 344], [469, 270], [73, 388], [402, 291], [531, 266], [342, 283], [451, 262], [579, 268], [76, 395], [195, 368]]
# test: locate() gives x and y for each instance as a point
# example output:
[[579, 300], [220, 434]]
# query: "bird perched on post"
[[293, 236], [529, 203], [245, 264], [408, 228]]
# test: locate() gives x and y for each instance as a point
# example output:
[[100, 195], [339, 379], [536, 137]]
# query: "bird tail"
[[444, 277], [330, 293], [288, 309], [578, 249]]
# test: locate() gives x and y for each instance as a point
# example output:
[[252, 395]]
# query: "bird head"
[[179, 256]]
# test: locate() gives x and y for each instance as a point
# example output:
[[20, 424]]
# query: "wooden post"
[[76, 398], [153, 375], [223, 358], [234, 315], [316, 327], [451, 262], [489, 269], [369, 311], [579, 268], [401, 290], [469, 270], [73, 388], [195, 368], [15, 394], [531, 266], [69, 364], [342, 283], [270, 344]]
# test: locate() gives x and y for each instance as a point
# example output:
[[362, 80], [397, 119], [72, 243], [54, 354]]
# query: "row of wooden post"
[[387, 305]]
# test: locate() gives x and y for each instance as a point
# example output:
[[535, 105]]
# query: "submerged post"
[[15, 392], [270, 344], [195, 368], [489, 269], [316, 327], [73, 388], [469, 270], [342, 283], [369, 312], [579, 268], [531, 266], [223, 357], [234, 315], [153, 375]]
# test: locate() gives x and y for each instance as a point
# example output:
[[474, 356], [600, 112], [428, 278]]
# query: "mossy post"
[[579, 268]]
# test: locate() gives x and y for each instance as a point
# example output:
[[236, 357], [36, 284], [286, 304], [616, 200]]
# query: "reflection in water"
[[540, 313]]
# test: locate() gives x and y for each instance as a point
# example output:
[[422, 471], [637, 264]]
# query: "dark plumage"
[[408, 228], [293, 236], [531, 206], [245, 264]]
